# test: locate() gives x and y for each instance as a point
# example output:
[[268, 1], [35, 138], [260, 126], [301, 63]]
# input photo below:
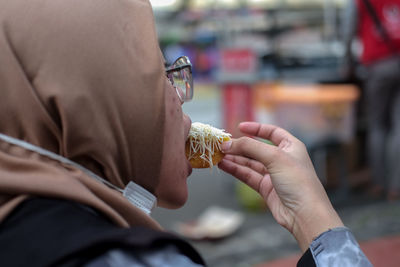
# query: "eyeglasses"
[[180, 76]]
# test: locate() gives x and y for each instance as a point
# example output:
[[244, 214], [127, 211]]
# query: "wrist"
[[310, 224]]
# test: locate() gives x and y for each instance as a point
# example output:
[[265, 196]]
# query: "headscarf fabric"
[[83, 79]]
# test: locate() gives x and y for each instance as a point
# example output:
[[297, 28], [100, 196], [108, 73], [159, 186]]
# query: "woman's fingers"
[[243, 173], [252, 164], [270, 132]]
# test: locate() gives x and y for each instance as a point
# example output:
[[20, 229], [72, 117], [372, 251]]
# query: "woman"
[[93, 138]]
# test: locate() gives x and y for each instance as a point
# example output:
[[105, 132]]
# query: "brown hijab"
[[85, 80]]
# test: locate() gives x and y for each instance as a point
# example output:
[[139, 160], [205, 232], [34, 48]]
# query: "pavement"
[[260, 241]]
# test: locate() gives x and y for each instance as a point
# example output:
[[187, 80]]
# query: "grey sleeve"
[[338, 247], [165, 257]]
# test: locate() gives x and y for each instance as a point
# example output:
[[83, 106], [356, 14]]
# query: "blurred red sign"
[[238, 60], [238, 106]]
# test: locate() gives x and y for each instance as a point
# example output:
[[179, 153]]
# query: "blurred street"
[[260, 239]]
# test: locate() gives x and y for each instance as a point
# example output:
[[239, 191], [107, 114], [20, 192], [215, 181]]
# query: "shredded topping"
[[205, 139]]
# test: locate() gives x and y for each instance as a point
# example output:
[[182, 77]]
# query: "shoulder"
[[167, 256], [72, 234]]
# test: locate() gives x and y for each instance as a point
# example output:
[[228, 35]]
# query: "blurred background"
[[281, 62]]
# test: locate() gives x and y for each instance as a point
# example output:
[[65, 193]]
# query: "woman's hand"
[[285, 178]]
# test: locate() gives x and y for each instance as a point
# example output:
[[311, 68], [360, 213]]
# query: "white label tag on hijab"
[[140, 197]]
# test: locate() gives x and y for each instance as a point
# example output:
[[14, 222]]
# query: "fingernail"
[[226, 145]]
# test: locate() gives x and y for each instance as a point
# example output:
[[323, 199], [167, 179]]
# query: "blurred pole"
[[329, 33]]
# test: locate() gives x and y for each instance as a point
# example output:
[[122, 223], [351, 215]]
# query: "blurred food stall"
[[312, 112], [292, 39]]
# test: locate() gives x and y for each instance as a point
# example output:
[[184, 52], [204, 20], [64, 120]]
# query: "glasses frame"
[[177, 67]]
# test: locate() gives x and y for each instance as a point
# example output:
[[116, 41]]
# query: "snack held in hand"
[[203, 147]]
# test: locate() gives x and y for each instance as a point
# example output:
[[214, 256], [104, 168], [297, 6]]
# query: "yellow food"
[[203, 146]]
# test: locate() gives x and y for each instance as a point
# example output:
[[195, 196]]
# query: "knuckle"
[[243, 141], [276, 153], [247, 178], [281, 156], [301, 146]]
